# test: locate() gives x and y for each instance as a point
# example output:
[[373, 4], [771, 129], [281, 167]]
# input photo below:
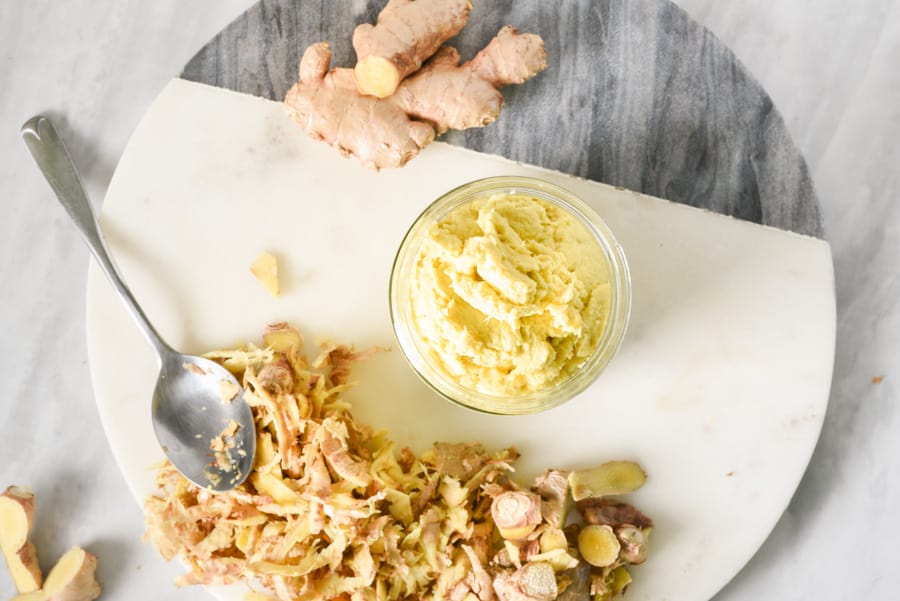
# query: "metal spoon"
[[195, 399]]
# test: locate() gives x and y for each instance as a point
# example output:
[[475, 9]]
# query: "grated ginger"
[[335, 510]]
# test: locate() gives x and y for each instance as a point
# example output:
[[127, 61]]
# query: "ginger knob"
[[516, 513], [406, 33]]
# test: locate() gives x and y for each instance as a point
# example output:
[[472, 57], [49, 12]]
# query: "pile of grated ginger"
[[333, 510]]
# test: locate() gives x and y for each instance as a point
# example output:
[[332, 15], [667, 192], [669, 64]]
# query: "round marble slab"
[[636, 94]]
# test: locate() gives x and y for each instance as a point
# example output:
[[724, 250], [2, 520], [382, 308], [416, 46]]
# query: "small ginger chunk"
[[610, 478], [265, 268], [228, 390], [334, 511], [444, 94], [277, 377], [516, 513], [72, 578], [407, 32], [634, 544]]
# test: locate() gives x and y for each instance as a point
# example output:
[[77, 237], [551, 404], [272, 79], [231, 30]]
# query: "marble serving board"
[[719, 389], [636, 94]]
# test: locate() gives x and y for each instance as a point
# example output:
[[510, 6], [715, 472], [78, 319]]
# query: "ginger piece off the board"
[[16, 520], [265, 269]]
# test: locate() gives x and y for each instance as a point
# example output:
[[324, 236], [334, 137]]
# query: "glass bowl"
[[411, 303]]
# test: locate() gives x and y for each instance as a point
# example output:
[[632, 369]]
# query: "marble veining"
[[661, 105]]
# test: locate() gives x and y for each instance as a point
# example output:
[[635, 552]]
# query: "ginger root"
[[71, 579], [389, 131], [406, 33], [16, 520]]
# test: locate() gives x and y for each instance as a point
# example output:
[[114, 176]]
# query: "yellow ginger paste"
[[510, 294]]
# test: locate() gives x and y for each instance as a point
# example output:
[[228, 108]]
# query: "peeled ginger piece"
[[71, 579], [265, 268]]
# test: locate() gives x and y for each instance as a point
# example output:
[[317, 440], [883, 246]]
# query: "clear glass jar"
[[417, 350]]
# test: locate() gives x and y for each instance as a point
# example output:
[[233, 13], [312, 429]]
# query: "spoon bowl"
[[199, 413], [199, 402]]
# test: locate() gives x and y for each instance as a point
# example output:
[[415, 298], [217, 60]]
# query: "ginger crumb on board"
[[265, 269], [406, 87], [335, 510], [71, 579]]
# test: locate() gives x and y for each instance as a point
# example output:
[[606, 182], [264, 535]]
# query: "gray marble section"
[[659, 104]]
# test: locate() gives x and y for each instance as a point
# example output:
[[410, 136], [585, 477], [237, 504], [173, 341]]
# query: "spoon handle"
[[53, 158]]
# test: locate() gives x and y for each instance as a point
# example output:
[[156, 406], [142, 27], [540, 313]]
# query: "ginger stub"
[[406, 33], [71, 579], [333, 511], [388, 132], [16, 520], [265, 269], [610, 478]]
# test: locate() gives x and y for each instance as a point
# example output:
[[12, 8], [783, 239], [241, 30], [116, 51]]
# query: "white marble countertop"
[[96, 66]]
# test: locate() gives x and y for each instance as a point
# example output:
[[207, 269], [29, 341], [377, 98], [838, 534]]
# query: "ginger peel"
[[516, 513], [610, 478], [598, 545]]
